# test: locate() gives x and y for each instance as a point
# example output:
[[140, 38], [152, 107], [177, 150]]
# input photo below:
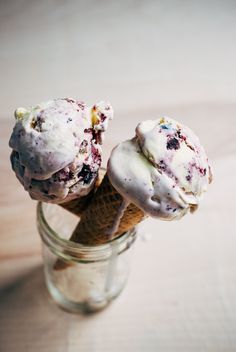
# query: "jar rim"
[[51, 237]]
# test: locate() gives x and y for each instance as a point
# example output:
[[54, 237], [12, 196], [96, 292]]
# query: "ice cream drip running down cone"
[[57, 150]]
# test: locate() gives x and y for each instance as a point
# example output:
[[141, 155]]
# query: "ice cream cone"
[[107, 217], [162, 172]]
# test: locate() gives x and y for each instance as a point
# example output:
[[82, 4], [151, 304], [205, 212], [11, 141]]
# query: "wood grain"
[[148, 58]]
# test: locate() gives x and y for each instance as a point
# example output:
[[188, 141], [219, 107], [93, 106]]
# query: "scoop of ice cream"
[[56, 148], [164, 170]]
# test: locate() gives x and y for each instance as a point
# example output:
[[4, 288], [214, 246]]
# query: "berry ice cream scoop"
[[164, 170], [57, 148]]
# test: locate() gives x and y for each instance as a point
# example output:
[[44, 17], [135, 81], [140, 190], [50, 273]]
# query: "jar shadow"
[[30, 319]]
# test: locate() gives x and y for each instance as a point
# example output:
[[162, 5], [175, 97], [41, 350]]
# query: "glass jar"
[[91, 276]]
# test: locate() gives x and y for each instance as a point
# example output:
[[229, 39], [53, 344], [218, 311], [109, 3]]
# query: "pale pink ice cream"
[[164, 170], [57, 148]]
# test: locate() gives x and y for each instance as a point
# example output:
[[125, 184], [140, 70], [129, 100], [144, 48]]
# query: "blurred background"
[[148, 58], [142, 56]]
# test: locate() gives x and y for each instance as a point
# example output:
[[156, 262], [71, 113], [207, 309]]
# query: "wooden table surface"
[[181, 295]]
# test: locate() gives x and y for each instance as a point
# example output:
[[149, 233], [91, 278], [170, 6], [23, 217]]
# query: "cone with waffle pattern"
[[107, 217]]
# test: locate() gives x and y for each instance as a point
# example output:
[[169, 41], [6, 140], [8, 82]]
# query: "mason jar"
[[81, 278]]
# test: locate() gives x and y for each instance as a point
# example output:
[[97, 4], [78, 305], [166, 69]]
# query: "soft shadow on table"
[[30, 320]]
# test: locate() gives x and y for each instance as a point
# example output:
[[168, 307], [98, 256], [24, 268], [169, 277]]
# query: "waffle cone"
[[107, 217]]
